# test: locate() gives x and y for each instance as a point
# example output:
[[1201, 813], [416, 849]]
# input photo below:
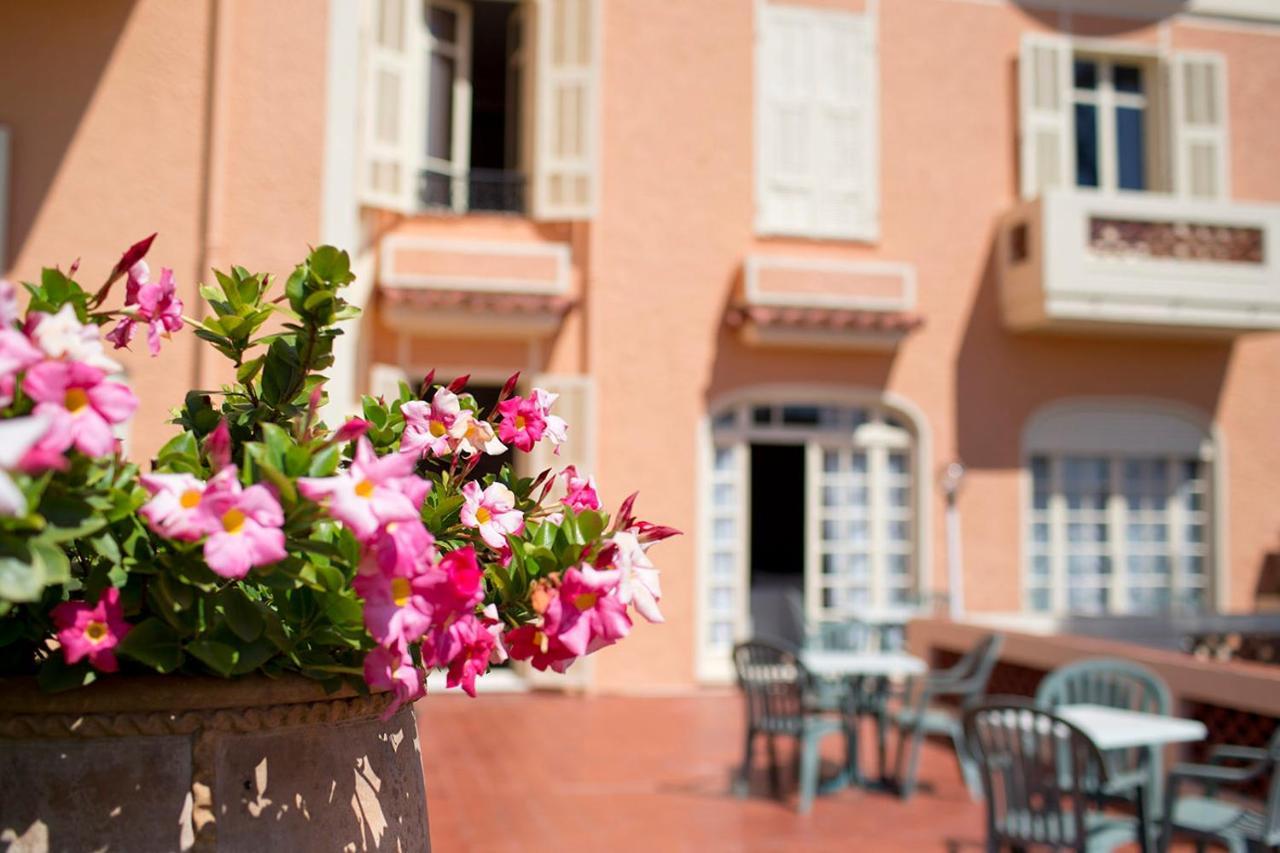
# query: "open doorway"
[[777, 555]]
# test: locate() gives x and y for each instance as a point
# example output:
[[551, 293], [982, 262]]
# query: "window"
[[1110, 111], [817, 126], [463, 113], [1125, 530], [1094, 114]]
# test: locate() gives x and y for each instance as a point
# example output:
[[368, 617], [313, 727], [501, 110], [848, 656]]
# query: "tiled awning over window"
[[826, 319], [488, 303], [473, 312]]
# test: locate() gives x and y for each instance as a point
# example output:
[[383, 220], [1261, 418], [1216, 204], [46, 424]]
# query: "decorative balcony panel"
[[1140, 264], [816, 303], [474, 287]]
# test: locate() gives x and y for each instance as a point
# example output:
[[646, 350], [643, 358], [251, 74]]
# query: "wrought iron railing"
[[496, 190]]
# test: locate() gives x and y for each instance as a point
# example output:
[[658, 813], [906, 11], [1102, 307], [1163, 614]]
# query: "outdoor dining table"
[[851, 667]]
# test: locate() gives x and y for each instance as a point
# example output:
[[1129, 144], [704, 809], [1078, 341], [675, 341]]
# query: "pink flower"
[[372, 492], [8, 303], [351, 430], [395, 606], [638, 583], [17, 436], [157, 305], [476, 642], [92, 632], [430, 429], [476, 436], [556, 428], [540, 649], [63, 337], [523, 422], [457, 586], [402, 546], [175, 510], [81, 406], [492, 512], [139, 274], [16, 354], [217, 446], [585, 615], [392, 669], [245, 525], [580, 491]]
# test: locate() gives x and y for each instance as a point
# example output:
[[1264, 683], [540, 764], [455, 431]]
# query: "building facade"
[[784, 260]]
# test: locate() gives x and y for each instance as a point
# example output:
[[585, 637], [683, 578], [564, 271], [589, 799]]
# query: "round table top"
[[841, 664]]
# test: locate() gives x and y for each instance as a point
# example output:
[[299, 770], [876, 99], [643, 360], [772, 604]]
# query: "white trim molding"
[[559, 253], [754, 264]]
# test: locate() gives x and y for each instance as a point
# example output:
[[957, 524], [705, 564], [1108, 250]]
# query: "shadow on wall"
[[1003, 377], [52, 58]]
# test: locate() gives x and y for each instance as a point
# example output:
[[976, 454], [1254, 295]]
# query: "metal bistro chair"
[[1039, 774], [1207, 817], [777, 691], [966, 682], [1116, 683]]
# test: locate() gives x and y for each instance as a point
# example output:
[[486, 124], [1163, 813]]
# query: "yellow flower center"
[[483, 515], [400, 591], [437, 428], [585, 600], [540, 640], [364, 489], [519, 421], [75, 400], [190, 498], [95, 632], [233, 520]]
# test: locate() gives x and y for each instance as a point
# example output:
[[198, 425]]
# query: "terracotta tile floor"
[[554, 772]]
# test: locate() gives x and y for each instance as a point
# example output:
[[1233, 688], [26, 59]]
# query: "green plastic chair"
[[965, 682], [1116, 683], [1206, 817], [855, 698], [1039, 776], [778, 692]]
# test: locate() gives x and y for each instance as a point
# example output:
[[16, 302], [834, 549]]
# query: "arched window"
[[1120, 508], [854, 490]]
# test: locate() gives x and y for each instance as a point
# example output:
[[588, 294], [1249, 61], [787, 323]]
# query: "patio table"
[[1118, 728], [851, 667]]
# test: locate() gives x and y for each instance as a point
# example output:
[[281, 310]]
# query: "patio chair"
[[1207, 817], [1039, 774], [965, 683], [777, 689]]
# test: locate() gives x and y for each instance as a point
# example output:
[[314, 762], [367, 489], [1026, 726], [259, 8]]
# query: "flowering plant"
[[261, 540]]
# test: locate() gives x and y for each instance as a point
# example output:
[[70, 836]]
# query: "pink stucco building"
[[785, 261]]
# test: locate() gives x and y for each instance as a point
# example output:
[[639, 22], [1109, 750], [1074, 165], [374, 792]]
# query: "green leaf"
[[590, 524], [52, 560], [241, 614], [56, 676], [246, 372], [254, 655], [153, 643], [325, 462], [20, 581], [219, 657]]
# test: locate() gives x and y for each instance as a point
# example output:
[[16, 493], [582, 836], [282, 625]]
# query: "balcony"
[[474, 191], [1144, 264]]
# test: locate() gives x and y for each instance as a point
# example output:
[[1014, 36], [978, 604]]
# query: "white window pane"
[[724, 529], [724, 459], [721, 599], [721, 633], [723, 495], [723, 565], [440, 107]]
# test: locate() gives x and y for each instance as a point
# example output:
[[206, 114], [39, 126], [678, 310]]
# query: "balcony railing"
[[1140, 262], [489, 190]]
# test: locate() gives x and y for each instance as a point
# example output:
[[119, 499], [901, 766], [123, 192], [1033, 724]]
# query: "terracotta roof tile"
[[831, 319], [477, 301]]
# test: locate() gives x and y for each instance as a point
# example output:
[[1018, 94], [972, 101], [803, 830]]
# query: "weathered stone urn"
[[160, 764]]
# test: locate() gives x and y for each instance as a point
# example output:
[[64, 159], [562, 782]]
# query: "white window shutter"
[[1199, 94], [817, 164], [385, 379], [391, 110], [1045, 123], [566, 103], [5, 148]]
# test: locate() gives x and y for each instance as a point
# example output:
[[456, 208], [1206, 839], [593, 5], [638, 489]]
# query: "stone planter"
[[160, 764]]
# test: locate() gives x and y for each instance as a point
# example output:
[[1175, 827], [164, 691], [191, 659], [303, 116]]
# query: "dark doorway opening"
[[778, 541]]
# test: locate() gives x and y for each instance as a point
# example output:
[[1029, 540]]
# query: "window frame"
[[458, 166], [1106, 100]]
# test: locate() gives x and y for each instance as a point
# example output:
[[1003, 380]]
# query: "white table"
[[837, 664], [1116, 728]]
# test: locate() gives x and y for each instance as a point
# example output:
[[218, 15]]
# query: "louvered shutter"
[[566, 99], [1200, 124], [390, 111], [1044, 90], [4, 197], [385, 379], [817, 125]]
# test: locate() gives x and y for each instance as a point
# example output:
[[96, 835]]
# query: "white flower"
[[63, 336], [17, 435], [639, 584]]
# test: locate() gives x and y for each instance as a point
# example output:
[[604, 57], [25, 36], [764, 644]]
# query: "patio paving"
[[545, 771]]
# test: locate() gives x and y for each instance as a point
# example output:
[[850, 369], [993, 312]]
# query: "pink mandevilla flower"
[[456, 588], [392, 669], [395, 604], [244, 523], [557, 431], [352, 429], [81, 405], [217, 446], [92, 632], [540, 649], [400, 546], [433, 428], [580, 492], [492, 512], [372, 492], [638, 584], [174, 510], [476, 645], [157, 305], [63, 337], [523, 422], [585, 615]]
